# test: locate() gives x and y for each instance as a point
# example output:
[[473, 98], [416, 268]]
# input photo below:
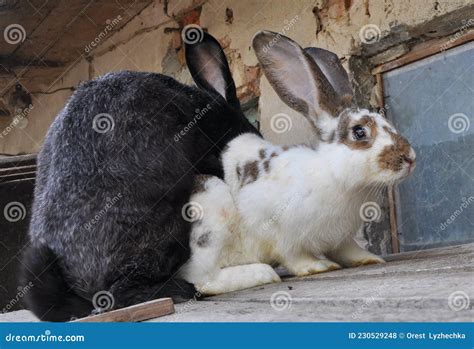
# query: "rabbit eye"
[[359, 132]]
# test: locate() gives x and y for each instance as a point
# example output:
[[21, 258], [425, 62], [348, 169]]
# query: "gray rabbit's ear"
[[332, 68], [208, 65], [295, 77]]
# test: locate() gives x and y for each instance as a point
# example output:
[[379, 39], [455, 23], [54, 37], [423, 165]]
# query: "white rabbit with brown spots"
[[296, 206]]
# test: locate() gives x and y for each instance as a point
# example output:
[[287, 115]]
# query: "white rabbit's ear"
[[332, 68], [208, 65], [295, 77]]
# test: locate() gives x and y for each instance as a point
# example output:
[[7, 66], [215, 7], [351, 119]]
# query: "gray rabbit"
[[116, 168]]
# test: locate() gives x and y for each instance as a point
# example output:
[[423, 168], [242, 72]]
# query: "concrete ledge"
[[413, 286]]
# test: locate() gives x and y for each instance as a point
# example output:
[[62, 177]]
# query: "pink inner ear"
[[211, 73]]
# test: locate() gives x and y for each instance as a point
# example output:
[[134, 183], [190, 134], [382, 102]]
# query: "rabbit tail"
[[49, 296]]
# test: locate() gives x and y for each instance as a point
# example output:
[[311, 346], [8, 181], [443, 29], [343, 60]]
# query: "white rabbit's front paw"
[[350, 254], [313, 267], [264, 274], [369, 259], [239, 277]]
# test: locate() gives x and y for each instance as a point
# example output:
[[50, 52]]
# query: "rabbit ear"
[[332, 68], [294, 76], [208, 66]]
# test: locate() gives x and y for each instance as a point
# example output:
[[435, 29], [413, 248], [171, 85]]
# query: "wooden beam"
[[393, 220], [425, 49], [12, 62], [17, 160], [391, 191], [138, 312]]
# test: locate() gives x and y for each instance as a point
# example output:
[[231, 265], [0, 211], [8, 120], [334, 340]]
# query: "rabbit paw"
[[239, 277], [350, 254], [373, 259], [264, 274], [314, 267]]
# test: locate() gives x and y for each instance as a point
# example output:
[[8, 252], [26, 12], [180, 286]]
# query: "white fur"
[[307, 205], [304, 205]]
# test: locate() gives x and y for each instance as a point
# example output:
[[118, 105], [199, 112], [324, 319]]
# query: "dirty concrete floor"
[[432, 285]]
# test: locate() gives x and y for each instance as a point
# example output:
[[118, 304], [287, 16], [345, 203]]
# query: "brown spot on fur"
[[288, 147], [266, 163], [250, 172], [392, 156], [200, 183], [262, 153]]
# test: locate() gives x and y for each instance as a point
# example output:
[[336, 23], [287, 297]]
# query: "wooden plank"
[[53, 35], [13, 161], [393, 220], [17, 169], [17, 180], [24, 16], [17, 176], [391, 197], [138, 312], [425, 49], [448, 251]]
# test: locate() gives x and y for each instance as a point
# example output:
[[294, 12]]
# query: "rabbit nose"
[[409, 160]]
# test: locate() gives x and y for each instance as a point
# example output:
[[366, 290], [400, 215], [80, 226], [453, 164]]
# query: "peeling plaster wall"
[[148, 43], [151, 42]]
